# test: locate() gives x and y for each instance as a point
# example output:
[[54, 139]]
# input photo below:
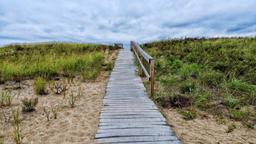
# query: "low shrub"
[[187, 87]]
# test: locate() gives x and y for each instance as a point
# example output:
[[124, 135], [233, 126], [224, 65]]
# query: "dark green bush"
[[187, 87]]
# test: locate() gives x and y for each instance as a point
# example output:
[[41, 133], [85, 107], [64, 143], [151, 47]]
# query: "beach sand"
[[207, 130], [76, 125]]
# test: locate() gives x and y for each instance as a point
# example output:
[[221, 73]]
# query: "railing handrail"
[[146, 56], [150, 75]]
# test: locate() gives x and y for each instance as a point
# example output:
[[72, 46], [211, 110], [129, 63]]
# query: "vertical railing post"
[[152, 81]]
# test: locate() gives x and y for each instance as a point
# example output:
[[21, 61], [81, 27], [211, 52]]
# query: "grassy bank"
[[19, 62], [214, 75]]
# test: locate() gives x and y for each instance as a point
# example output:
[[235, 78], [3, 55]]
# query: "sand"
[[207, 130], [76, 125]]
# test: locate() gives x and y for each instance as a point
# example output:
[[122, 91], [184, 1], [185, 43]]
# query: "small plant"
[[243, 114], [28, 105], [90, 75], [55, 111], [40, 86], [201, 99], [16, 119], [231, 128], [231, 101], [60, 87], [187, 87], [47, 113], [72, 99], [17, 134], [5, 99], [188, 114]]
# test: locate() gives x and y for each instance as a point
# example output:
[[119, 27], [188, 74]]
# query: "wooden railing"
[[144, 58]]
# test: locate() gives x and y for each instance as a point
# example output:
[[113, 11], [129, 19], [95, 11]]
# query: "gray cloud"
[[108, 21]]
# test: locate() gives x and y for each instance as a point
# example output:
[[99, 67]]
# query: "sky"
[[109, 21]]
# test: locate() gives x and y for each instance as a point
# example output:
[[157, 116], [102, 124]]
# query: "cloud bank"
[[105, 21]]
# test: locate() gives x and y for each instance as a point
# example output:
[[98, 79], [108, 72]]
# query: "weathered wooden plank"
[[138, 126], [133, 133], [137, 139], [145, 120]]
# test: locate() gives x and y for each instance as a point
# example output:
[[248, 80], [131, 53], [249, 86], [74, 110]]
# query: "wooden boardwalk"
[[128, 115]]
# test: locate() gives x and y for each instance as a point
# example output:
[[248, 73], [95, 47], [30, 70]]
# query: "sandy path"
[[207, 130]]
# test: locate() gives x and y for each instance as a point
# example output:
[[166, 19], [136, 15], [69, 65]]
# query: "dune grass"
[[18, 62], [215, 75]]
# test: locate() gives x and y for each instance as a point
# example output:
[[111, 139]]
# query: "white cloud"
[[123, 20]]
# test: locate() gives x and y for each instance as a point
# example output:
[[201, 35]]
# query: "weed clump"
[[187, 87], [90, 75], [231, 128], [29, 104], [188, 114], [231, 102], [72, 100], [5, 99], [47, 113], [60, 87], [40, 86], [16, 124]]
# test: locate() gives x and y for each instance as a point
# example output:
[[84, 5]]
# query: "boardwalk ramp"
[[128, 115]]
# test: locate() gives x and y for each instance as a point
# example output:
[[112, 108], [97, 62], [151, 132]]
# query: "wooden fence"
[[143, 59]]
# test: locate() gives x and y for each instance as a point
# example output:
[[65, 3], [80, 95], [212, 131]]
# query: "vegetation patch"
[[55, 69], [29, 105], [40, 86], [20, 62], [215, 75]]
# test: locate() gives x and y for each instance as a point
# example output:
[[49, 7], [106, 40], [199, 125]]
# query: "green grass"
[[40, 86], [19, 62], [218, 72]]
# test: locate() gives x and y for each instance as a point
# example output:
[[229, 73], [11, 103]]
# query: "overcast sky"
[[101, 21]]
